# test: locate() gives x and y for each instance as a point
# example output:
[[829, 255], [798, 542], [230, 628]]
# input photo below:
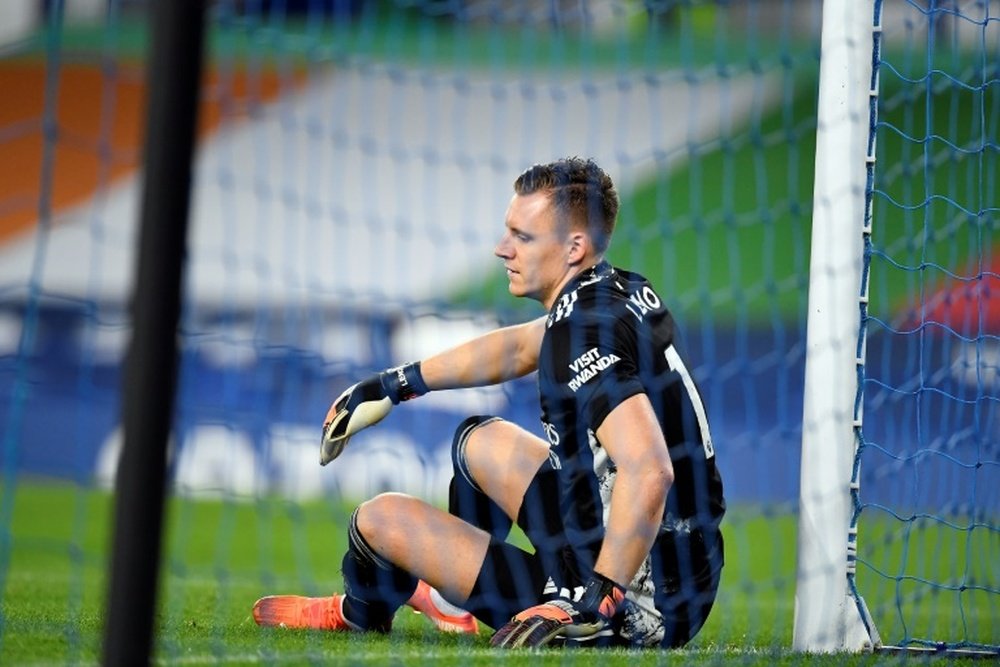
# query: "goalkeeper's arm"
[[503, 354], [500, 355], [632, 437]]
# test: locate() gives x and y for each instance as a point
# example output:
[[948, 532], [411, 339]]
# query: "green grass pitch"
[[219, 556]]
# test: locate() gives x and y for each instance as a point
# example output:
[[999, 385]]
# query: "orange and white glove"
[[367, 403], [583, 623]]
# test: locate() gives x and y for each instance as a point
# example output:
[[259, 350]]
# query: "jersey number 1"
[[675, 363]]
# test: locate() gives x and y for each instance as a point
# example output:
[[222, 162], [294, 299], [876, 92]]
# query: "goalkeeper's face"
[[538, 256]]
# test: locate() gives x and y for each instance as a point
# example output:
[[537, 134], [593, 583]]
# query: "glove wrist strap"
[[404, 382], [602, 595]]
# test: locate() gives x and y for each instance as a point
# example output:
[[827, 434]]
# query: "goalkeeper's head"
[[558, 224], [583, 196]]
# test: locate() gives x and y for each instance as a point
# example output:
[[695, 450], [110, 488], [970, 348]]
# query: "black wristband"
[[600, 589], [403, 382]]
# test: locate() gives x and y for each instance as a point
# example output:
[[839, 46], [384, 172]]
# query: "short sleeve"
[[596, 364]]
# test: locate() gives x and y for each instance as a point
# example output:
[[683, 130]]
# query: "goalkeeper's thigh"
[[465, 499], [539, 516], [509, 581]]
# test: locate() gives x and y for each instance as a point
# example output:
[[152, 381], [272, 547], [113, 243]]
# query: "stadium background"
[[234, 426], [350, 183], [249, 333]]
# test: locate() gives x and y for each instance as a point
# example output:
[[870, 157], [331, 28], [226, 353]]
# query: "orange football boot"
[[446, 616], [297, 611]]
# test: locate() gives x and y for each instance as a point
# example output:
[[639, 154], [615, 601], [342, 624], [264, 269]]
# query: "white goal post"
[[827, 616]]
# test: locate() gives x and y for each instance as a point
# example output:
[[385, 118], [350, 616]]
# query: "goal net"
[[927, 509], [354, 162], [898, 517]]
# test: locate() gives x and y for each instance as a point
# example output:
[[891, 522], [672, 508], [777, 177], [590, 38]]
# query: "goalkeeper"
[[621, 501]]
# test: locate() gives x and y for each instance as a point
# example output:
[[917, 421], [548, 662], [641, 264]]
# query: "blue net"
[[929, 464]]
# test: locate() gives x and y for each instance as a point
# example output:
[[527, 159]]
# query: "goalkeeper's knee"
[[375, 587], [459, 445], [466, 499]]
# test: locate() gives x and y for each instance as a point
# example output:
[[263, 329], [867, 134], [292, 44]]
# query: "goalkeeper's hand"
[[583, 623], [366, 403]]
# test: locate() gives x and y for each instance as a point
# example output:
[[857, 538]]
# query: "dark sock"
[[374, 587]]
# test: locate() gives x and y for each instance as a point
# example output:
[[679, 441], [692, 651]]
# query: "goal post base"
[[849, 629], [861, 633]]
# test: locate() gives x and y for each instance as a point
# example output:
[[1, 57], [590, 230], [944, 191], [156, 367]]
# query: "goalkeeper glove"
[[584, 623], [366, 403]]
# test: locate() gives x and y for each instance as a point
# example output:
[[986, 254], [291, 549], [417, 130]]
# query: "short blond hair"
[[581, 193]]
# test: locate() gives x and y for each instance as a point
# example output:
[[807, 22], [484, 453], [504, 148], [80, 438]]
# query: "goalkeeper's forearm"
[[637, 502], [632, 437], [503, 354]]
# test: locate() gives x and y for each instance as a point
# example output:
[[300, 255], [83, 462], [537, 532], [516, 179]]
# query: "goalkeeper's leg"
[[395, 540], [466, 499], [375, 589], [502, 473], [374, 586]]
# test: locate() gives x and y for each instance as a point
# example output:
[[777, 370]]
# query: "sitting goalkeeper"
[[622, 501]]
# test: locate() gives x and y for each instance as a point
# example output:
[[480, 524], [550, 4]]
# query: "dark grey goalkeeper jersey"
[[609, 337]]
